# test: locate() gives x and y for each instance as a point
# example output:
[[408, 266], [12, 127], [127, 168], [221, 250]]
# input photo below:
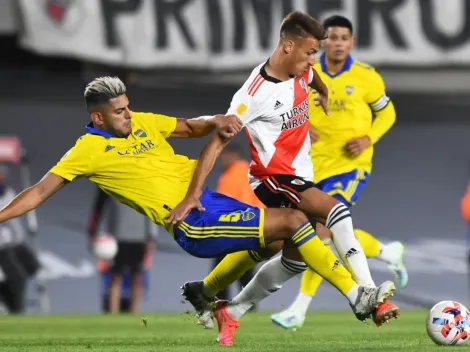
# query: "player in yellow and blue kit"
[[128, 156], [342, 148]]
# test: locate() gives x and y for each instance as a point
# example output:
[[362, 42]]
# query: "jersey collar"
[[92, 130], [346, 67], [267, 77]]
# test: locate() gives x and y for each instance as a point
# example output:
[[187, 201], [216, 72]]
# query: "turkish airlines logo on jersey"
[[295, 117]]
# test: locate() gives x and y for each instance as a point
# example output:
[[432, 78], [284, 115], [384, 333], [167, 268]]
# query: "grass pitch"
[[323, 331]]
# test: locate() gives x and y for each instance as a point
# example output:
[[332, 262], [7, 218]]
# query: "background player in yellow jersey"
[[342, 147], [127, 155]]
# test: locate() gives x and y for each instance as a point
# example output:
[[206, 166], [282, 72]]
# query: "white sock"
[[352, 295], [269, 279], [301, 304], [387, 255], [339, 222]]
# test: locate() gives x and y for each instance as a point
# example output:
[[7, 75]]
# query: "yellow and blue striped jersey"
[[356, 95], [141, 171]]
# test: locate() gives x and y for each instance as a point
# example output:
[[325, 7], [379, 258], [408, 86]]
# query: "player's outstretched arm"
[[206, 163], [32, 197], [318, 84], [204, 166], [226, 125], [321, 88]]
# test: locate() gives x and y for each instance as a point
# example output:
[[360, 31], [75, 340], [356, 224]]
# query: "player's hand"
[[228, 125], [322, 100], [313, 135], [183, 209], [356, 146]]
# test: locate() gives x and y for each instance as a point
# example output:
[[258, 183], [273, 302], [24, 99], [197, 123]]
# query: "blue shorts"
[[345, 187], [226, 226]]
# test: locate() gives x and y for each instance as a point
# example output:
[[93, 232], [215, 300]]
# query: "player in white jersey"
[[273, 105], [275, 115]]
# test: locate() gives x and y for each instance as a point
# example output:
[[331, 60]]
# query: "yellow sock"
[[321, 259], [310, 282], [369, 243], [230, 269]]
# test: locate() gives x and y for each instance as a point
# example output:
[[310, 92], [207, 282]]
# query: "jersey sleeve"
[[163, 124], [75, 163], [376, 96], [244, 106]]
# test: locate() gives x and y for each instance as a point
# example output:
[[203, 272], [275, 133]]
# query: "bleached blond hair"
[[102, 89]]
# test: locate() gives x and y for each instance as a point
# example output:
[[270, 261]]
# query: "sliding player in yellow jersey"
[[342, 148], [128, 156]]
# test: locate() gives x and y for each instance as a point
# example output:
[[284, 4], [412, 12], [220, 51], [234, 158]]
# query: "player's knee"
[[334, 201], [282, 224], [293, 220], [340, 199], [271, 249], [323, 232]]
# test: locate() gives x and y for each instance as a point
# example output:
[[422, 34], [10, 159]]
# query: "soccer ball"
[[448, 323], [105, 246]]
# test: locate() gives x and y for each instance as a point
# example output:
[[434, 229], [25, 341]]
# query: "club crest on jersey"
[[248, 215], [297, 182], [349, 89], [140, 133], [303, 85]]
